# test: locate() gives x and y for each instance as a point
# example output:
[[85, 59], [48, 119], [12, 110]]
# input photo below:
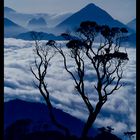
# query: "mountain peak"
[[91, 5], [38, 112], [91, 12]]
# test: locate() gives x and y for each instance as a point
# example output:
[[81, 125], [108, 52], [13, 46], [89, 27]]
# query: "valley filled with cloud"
[[118, 112]]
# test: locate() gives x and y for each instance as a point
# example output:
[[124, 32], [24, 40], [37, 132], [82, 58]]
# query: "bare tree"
[[43, 55], [106, 60]]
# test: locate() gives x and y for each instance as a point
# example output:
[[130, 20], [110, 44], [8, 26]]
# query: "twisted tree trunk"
[[54, 120], [91, 119]]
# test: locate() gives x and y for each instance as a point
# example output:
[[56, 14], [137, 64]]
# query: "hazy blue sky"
[[123, 10]]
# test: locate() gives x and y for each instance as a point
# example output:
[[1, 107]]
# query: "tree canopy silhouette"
[[130, 134], [107, 60]]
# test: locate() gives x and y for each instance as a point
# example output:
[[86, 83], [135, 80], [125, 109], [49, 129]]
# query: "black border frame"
[[137, 71], [2, 70]]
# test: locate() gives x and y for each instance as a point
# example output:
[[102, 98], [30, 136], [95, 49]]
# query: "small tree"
[[107, 129], [43, 56], [107, 61], [130, 134]]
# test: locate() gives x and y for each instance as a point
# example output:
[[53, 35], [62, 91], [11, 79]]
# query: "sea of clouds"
[[118, 112]]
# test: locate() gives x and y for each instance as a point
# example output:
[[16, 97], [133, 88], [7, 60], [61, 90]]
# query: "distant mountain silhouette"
[[44, 36], [23, 18], [37, 23], [18, 17], [132, 24], [9, 23], [15, 110], [7, 9], [90, 12], [11, 28]]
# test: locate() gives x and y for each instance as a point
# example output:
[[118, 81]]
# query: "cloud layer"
[[119, 111]]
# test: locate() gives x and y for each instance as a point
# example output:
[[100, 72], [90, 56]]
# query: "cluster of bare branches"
[[106, 60], [43, 55]]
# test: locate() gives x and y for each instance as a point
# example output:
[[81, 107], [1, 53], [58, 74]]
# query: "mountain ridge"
[[23, 18], [31, 120], [8, 9], [38, 112], [11, 29], [132, 24], [44, 36]]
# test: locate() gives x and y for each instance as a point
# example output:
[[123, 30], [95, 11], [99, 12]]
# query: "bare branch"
[[34, 73]]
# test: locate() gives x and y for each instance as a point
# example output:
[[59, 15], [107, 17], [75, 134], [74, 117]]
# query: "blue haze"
[[122, 10]]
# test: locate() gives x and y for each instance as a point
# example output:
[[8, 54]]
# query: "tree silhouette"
[[39, 70], [106, 134], [107, 129], [129, 134], [106, 60]]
